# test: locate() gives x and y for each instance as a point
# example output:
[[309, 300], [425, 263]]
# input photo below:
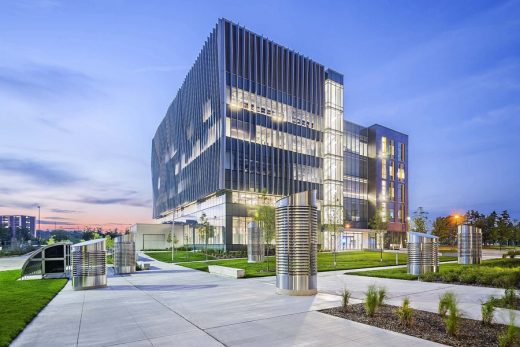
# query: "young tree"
[[420, 220], [265, 217], [379, 224], [109, 241], [205, 231]]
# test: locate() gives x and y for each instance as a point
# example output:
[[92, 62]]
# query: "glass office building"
[[250, 117]]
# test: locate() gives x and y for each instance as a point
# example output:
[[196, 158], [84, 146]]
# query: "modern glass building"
[[250, 117]]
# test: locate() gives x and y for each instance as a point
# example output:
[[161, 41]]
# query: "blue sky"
[[83, 86]]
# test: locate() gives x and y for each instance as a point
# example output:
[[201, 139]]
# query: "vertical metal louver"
[[423, 253], [124, 254], [469, 244], [296, 244], [89, 264]]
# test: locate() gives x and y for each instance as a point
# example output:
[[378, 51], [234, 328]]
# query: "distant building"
[[14, 222], [254, 116]]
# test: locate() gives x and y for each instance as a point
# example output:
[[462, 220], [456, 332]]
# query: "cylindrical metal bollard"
[[124, 254], [255, 243], [423, 253], [89, 264], [469, 244], [297, 244]]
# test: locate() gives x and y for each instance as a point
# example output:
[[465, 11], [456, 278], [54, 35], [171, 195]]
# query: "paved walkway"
[[171, 305], [12, 263]]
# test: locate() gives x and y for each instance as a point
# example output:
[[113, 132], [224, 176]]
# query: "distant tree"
[[444, 229], [420, 222], [88, 234], [23, 234], [109, 241], [516, 234], [51, 240], [5, 234], [379, 224], [489, 233], [265, 216], [60, 235], [505, 228]]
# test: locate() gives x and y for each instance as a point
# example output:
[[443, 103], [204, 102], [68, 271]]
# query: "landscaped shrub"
[[345, 298], [509, 297], [405, 313], [430, 277], [450, 276], [449, 312], [487, 311], [511, 335], [373, 299]]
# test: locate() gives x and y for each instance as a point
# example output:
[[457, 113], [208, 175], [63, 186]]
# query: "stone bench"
[[226, 271]]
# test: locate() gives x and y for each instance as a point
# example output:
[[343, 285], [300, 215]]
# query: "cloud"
[[39, 81], [162, 68], [52, 222], [45, 173], [17, 204], [114, 201], [58, 210]]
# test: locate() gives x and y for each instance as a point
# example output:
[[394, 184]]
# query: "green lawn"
[[20, 301], [179, 256], [501, 273], [344, 261]]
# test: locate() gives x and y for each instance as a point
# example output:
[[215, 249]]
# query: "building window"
[[383, 169], [383, 146], [240, 230], [391, 169], [391, 190], [403, 156], [403, 194], [392, 149]]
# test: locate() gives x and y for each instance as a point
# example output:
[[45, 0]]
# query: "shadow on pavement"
[[165, 288]]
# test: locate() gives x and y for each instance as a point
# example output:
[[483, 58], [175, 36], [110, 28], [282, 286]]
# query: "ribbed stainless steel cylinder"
[[124, 254], [297, 244], [89, 264], [469, 240], [423, 253], [255, 243]]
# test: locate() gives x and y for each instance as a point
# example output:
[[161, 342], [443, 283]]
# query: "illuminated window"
[[391, 190], [383, 145], [383, 169], [403, 193], [391, 169], [392, 148]]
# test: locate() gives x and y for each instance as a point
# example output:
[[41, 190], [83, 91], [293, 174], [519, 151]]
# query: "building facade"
[[15, 222], [252, 122]]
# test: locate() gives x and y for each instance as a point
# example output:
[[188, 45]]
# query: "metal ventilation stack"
[[423, 253], [124, 254], [297, 244], [255, 243], [89, 264], [469, 244]]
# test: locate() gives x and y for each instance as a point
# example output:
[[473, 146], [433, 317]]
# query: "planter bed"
[[426, 325]]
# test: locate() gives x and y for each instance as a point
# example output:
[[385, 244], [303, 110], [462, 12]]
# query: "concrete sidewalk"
[[178, 306]]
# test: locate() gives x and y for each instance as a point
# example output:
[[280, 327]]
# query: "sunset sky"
[[84, 85]]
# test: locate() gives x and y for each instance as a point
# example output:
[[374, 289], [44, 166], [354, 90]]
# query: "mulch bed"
[[426, 325]]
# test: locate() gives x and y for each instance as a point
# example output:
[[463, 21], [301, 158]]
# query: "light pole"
[[39, 221]]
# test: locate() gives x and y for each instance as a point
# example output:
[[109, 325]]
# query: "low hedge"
[[499, 275]]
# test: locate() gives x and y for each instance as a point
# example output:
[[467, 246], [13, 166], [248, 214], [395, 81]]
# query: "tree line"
[[497, 228]]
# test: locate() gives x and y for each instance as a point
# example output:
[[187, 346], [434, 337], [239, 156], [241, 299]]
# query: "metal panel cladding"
[[469, 244], [274, 116], [423, 253], [186, 147]]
